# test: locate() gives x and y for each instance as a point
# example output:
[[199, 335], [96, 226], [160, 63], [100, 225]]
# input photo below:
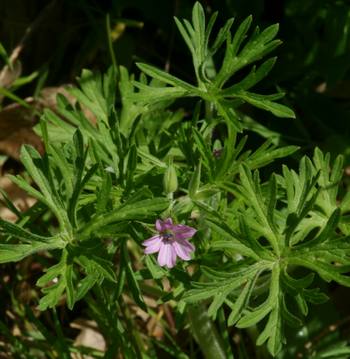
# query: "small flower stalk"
[[170, 242]]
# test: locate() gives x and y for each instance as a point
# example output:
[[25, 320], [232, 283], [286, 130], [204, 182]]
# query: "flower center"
[[168, 236]]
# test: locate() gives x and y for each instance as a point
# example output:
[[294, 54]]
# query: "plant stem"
[[205, 333], [110, 45]]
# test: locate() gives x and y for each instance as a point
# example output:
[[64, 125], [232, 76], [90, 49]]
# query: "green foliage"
[[238, 54], [266, 245], [290, 222], [66, 183]]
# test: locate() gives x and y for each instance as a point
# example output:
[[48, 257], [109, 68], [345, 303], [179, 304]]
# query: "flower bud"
[[170, 179]]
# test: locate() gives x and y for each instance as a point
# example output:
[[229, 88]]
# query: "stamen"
[[168, 236]]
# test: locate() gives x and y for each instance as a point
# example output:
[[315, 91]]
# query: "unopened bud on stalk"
[[170, 178]]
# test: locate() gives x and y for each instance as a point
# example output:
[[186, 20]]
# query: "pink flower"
[[171, 241]]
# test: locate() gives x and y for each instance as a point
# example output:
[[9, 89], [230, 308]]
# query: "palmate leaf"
[[97, 92], [147, 99], [209, 83], [219, 290], [283, 227], [62, 176], [108, 138], [251, 191], [223, 167], [197, 37], [40, 170], [255, 48], [222, 291], [66, 276]]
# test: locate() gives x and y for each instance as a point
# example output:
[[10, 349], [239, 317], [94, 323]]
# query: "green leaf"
[[16, 252], [221, 37], [291, 319], [131, 279], [335, 352], [165, 77], [156, 271], [79, 186], [70, 290], [4, 55], [185, 34], [6, 93], [262, 102], [86, 284], [273, 332], [8, 203], [97, 93], [39, 169], [148, 94], [55, 290], [12, 229], [224, 285], [147, 157], [240, 35], [295, 285], [135, 211], [241, 302], [204, 149], [195, 180], [326, 271], [253, 317], [226, 110], [34, 243], [251, 191], [272, 306], [103, 195], [102, 267], [251, 79]]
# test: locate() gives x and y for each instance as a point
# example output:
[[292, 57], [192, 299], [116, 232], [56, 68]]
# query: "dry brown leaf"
[[89, 336], [14, 116], [154, 326], [11, 146], [48, 99], [16, 121], [16, 124], [9, 75], [19, 197]]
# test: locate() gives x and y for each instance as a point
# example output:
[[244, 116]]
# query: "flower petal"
[[168, 224], [162, 226], [151, 241], [182, 251], [166, 255], [187, 245], [153, 248], [159, 225], [183, 232], [172, 259]]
